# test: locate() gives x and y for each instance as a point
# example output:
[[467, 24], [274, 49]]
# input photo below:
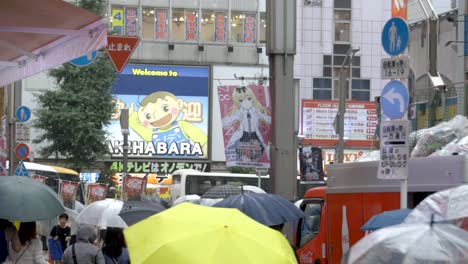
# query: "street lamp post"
[[125, 133], [342, 102]]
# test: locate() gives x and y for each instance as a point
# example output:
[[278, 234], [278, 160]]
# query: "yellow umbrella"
[[190, 233]]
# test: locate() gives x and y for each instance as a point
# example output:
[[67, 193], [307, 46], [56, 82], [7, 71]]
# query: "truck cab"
[[311, 232], [335, 214]]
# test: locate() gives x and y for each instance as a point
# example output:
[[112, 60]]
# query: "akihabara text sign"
[[318, 117], [168, 112]]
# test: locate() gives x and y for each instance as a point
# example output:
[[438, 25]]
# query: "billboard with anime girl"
[[246, 117]]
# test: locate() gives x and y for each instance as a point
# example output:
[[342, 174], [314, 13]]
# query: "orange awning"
[[38, 35]]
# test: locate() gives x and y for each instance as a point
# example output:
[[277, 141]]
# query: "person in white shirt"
[[31, 246]]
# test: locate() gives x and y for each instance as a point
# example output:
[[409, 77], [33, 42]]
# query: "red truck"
[[335, 214]]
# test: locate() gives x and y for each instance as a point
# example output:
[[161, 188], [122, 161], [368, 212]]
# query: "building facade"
[[227, 37]]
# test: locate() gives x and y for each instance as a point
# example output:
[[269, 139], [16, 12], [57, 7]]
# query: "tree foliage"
[[73, 117]]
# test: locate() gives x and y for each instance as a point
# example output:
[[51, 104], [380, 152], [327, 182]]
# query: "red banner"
[[134, 187], [96, 192], [220, 28], [249, 29], [161, 24], [246, 116], [191, 26], [67, 192]]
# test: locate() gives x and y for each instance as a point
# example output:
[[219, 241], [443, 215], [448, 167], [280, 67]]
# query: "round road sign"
[[22, 151]]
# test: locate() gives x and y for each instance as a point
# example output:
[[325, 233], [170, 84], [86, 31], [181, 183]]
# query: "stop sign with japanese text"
[[120, 49]]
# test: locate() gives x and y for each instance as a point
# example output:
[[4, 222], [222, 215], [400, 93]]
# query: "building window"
[[336, 89], [243, 27], [322, 94], [148, 23], [322, 89], [327, 60], [341, 48], [327, 72], [262, 27], [214, 26], [124, 21], [360, 90], [342, 32], [184, 25], [343, 4], [154, 24], [342, 15]]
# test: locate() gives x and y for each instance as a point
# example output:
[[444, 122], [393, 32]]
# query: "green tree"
[[72, 118]]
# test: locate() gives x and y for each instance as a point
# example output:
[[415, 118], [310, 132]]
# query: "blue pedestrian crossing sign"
[[395, 36], [23, 113], [84, 60], [21, 170], [394, 99]]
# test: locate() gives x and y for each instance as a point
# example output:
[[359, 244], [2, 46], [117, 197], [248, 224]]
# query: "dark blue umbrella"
[[134, 211], [387, 218], [265, 208]]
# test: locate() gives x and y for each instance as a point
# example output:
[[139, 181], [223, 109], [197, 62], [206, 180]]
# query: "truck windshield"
[[310, 225]]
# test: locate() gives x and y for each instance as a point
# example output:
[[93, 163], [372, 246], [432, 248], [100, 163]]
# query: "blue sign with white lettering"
[[395, 36], [23, 113], [394, 99], [84, 60], [21, 170]]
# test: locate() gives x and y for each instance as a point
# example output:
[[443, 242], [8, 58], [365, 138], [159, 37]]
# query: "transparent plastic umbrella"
[[104, 213], [186, 198], [411, 243], [447, 205]]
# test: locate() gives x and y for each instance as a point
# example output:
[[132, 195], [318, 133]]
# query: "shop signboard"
[[317, 123], [168, 112], [158, 167]]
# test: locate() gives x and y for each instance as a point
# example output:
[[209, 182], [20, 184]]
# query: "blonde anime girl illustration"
[[247, 142]]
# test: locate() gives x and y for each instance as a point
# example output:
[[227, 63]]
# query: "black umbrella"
[[221, 192], [265, 208], [134, 211]]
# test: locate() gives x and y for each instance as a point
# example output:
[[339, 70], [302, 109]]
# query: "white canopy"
[[38, 35]]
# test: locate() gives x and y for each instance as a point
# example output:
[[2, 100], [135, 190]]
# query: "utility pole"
[[342, 102], [281, 48], [14, 101], [125, 147]]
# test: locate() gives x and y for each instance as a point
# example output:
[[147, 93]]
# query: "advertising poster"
[[67, 191], [311, 164], [249, 29], [191, 26], [246, 117], [95, 192], [131, 22], [168, 112], [220, 28], [134, 187], [161, 24], [117, 20]]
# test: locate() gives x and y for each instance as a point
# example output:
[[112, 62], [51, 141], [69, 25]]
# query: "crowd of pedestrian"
[[23, 246]]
